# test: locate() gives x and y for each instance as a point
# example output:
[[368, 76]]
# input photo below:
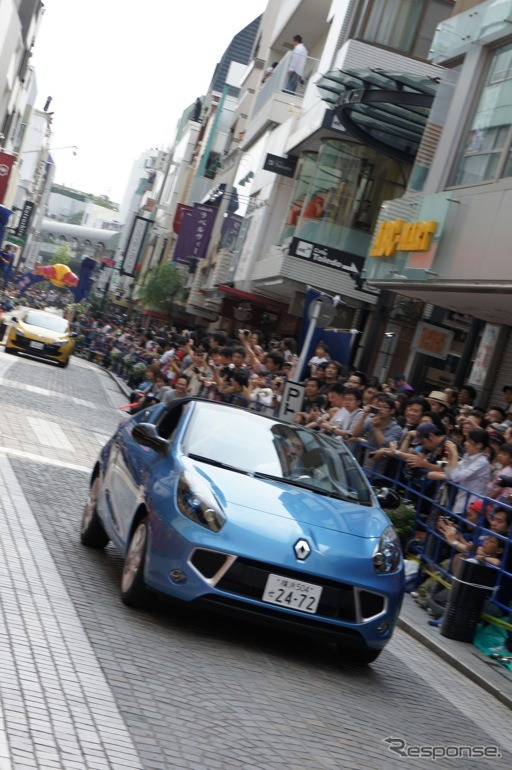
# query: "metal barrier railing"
[[429, 545]]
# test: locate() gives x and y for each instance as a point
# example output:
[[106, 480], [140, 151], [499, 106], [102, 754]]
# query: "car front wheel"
[[92, 533], [134, 592]]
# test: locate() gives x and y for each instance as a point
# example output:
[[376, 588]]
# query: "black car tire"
[[63, 364], [11, 351], [92, 533], [363, 655], [134, 592]]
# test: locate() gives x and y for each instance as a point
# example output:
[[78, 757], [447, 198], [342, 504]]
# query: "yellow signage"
[[397, 235]]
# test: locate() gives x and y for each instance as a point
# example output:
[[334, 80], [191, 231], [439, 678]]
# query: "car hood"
[[239, 493], [41, 332]]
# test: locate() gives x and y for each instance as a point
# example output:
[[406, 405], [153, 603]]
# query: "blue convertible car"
[[243, 513]]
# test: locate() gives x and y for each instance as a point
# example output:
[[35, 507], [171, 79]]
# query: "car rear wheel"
[[134, 592], [11, 351], [362, 655], [63, 364], [92, 533]]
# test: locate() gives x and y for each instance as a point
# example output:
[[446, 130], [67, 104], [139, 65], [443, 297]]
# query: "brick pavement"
[[86, 683], [57, 707]]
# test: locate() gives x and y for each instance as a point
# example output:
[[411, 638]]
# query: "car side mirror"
[[14, 319], [388, 498], [146, 435]]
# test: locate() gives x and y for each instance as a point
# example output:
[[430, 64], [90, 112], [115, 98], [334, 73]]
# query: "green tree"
[[76, 218], [62, 256], [163, 286]]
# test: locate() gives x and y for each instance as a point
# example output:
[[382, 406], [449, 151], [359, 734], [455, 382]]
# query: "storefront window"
[[306, 171], [486, 144], [342, 202]]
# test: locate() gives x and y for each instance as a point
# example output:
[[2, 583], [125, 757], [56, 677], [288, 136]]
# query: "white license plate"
[[38, 345], [294, 594]]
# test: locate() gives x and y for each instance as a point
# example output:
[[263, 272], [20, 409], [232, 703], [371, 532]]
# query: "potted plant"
[[403, 519], [137, 374]]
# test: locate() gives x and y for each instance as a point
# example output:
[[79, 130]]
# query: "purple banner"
[[195, 232], [230, 230], [184, 243]]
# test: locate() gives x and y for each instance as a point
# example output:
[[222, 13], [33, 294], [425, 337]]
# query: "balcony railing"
[[470, 26], [277, 82]]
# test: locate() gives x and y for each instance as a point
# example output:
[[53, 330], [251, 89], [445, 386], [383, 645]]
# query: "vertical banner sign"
[[132, 253], [22, 229], [230, 230], [484, 354], [178, 217], [195, 231], [6, 164], [203, 217], [184, 243]]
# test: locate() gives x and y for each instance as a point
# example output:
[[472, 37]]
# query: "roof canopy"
[[385, 110]]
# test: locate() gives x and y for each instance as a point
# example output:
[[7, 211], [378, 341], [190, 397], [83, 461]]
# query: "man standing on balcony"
[[296, 65]]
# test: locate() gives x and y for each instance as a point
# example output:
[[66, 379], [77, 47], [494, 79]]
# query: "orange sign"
[[432, 340]]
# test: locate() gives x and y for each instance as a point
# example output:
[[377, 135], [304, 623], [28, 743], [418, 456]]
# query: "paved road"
[[166, 688]]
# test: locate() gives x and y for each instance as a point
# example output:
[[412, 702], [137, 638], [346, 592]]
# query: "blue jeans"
[[292, 83]]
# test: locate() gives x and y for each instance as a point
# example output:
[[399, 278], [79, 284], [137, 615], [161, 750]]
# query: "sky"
[[120, 73]]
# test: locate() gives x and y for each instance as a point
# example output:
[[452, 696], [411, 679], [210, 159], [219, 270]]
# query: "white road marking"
[[46, 392], [50, 434], [44, 461]]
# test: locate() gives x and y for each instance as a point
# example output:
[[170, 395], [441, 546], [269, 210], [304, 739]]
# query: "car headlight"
[[388, 553], [196, 501], [19, 332]]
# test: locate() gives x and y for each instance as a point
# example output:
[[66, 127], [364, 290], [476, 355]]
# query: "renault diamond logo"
[[302, 549]]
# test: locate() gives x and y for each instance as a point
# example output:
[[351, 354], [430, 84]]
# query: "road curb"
[[121, 384]]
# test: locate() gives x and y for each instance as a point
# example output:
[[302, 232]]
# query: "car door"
[[129, 474]]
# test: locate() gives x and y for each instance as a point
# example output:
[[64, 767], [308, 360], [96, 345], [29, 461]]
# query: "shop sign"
[[327, 257], [6, 164], [484, 355], [432, 341], [133, 251], [398, 235], [24, 222], [280, 165]]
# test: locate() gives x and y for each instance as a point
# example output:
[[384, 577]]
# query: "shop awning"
[[385, 110], [257, 299]]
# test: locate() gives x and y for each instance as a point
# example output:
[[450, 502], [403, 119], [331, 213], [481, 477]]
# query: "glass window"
[[393, 23], [262, 447], [404, 25], [307, 168], [346, 190], [488, 135]]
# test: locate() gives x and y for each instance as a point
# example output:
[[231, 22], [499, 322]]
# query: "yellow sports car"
[[42, 334]]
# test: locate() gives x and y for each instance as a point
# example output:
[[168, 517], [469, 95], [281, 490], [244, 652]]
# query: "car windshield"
[[54, 323], [260, 446]]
